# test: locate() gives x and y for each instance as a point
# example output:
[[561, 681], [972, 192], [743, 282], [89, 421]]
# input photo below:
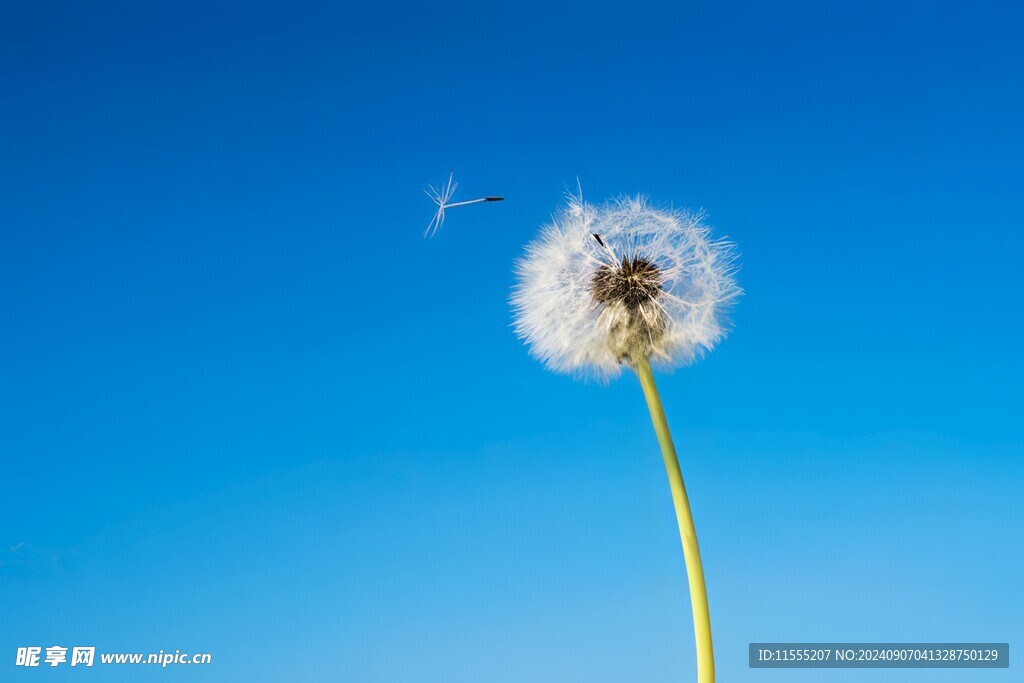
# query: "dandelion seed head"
[[603, 286]]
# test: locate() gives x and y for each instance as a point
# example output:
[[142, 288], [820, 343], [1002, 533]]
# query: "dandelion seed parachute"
[[622, 282], [441, 196]]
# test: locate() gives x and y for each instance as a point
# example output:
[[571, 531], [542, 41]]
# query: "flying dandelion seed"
[[628, 285], [441, 196]]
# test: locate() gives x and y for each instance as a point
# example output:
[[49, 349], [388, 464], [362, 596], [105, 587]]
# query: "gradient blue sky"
[[245, 409]]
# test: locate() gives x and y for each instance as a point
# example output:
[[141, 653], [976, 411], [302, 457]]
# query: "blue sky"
[[246, 409]]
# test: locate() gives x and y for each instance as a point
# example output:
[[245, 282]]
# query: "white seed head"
[[607, 285]]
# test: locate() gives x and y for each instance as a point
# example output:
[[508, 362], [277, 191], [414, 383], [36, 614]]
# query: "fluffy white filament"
[[569, 331]]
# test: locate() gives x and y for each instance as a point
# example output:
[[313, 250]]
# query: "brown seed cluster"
[[633, 282], [628, 292]]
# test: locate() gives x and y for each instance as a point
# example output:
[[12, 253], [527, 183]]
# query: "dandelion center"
[[634, 320], [632, 283]]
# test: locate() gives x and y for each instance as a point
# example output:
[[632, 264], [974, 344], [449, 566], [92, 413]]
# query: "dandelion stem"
[[687, 532]]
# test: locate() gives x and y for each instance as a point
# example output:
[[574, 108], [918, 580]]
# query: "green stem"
[[687, 532]]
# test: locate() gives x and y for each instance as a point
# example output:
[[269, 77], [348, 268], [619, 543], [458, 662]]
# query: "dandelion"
[[441, 196], [627, 285]]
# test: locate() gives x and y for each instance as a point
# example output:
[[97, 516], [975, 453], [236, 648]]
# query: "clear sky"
[[246, 409]]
